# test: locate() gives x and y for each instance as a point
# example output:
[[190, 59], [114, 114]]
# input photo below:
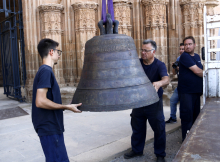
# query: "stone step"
[[67, 94]]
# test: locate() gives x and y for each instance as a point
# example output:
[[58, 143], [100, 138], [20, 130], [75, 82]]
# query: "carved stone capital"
[[128, 2], [122, 3], [184, 2], [212, 3], [155, 14], [53, 1], [85, 5], [50, 18], [152, 2], [50, 7], [122, 10], [210, 6]]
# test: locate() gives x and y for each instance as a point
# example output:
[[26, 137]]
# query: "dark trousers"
[[154, 114], [189, 110], [54, 148]]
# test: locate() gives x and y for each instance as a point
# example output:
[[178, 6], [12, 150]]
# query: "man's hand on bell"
[[156, 85], [73, 107]]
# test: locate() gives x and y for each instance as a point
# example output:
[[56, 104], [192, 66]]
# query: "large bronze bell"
[[112, 77]]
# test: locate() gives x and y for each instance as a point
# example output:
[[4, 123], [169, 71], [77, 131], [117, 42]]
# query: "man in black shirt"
[[190, 85], [47, 108], [156, 71]]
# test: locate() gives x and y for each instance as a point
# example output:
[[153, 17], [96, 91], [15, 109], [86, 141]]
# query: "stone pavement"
[[173, 143], [89, 136]]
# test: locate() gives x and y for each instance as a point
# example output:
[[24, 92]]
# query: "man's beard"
[[55, 63]]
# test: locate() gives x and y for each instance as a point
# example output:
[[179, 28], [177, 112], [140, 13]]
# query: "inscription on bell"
[[110, 48]]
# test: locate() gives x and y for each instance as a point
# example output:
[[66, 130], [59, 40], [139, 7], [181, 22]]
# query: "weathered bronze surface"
[[203, 141], [112, 77]]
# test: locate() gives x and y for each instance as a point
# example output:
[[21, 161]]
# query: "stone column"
[[210, 5], [156, 26], [85, 29], [50, 20], [68, 44], [122, 11], [193, 20], [31, 39]]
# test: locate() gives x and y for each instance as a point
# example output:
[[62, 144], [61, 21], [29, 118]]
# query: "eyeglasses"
[[190, 44], [145, 51], [58, 51]]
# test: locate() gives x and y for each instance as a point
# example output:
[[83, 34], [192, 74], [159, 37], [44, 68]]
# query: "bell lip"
[[101, 108]]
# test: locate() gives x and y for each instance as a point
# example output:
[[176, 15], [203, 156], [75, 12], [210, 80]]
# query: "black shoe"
[[171, 121], [160, 159], [132, 154]]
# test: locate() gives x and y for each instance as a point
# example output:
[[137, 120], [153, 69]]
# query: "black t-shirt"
[[155, 72], [47, 122], [189, 82]]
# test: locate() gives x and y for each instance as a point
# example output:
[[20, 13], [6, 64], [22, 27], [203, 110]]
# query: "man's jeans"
[[173, 104]]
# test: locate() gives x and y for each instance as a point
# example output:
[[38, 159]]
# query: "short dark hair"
[[45, 45], [181, 44], [153, 43], [190, 37]]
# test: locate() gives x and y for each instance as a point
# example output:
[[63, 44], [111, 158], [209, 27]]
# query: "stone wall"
[[73, 22]]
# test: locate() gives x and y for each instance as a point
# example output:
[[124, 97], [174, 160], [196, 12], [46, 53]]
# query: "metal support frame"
[[211, 75]]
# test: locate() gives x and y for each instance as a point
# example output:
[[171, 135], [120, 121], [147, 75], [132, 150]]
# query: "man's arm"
[[43, 102], [196, 70], [163, 82]]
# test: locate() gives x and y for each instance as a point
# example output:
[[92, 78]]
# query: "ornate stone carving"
[[50, 18], [193, 13], [156, 25], [193, 20], [122, 10], [184, 2], [53, 1], [151, 2], [85, 16], [50, 7], [85, 5], [210, 6], [212, 2], [85, 28], [155, 13]]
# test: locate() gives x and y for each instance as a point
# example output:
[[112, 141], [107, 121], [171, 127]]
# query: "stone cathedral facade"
[[73, 22]]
